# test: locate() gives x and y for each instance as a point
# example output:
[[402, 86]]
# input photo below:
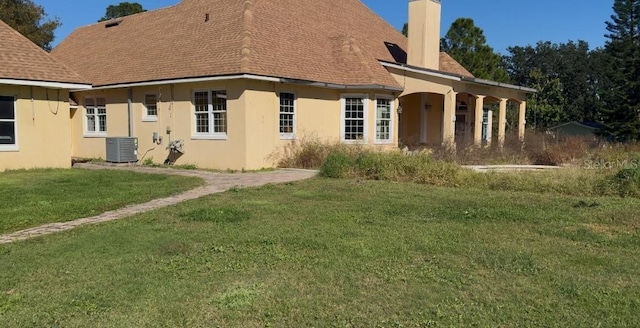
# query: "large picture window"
[[384, 120], [7, 123], [210, 110], [96, 116], [287, 115], [354, 118]]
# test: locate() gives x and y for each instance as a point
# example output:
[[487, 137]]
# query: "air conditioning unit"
[[122, 150]]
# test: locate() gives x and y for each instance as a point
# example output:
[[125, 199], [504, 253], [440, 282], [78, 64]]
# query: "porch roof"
[[455, 77]]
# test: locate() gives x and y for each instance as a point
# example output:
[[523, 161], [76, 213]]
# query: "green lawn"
[[338, 253], [36, 197]]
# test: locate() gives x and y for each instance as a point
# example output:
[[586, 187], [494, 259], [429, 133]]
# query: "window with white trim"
[[384, 119], [151, 107], [287, 115], [354, 116], [210, 109], [7, 123], [95, 115]]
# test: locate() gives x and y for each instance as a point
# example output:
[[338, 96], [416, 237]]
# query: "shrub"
[[307, 153], [627, 182], [337, 165]]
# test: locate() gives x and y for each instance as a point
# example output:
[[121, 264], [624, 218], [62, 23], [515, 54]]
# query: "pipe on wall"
[[130, 111]]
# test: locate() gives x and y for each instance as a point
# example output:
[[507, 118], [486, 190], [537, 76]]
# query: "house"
[[575, 129], [229, 83], [34, 108]]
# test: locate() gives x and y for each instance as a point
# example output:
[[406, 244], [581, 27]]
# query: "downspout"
[[130, 111]]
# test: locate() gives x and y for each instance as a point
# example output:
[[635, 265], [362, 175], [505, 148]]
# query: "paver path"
[[214, 183]]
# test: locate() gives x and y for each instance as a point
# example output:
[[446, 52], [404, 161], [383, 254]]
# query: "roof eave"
[[316, 84], [47, 84], [455, 77]]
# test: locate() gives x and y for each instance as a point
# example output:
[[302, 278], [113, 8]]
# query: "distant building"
[[575, 129]]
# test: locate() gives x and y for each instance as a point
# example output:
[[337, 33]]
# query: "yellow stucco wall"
[[318, 117], [88, 145], [43, 129], [175, 111], [434, 119], [253, 139]]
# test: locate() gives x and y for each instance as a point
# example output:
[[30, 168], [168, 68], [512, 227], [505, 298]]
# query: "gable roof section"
[[330, 41], [450, 65], [24, 63]]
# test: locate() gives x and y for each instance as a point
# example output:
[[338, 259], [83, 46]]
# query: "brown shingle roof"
[[21, 59], [337, 41], [450, 65]]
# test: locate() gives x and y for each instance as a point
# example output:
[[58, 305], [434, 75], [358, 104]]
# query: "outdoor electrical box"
[[122, 150]]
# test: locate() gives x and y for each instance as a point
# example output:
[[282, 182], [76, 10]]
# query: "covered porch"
[[437, 108]]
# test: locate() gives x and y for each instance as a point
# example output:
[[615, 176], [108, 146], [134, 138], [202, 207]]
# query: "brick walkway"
[[214, 183]]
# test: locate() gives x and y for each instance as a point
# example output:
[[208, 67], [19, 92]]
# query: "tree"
[[30, 20], [545, 108], [121, 10], [622, 72], [572, 64], [467, 44], [405, 29]]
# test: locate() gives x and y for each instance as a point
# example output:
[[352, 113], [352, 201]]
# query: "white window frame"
[[365, 106], [391, 119], [14, 146], [292, 135], [145, 115], [96, 133], [211, 135]]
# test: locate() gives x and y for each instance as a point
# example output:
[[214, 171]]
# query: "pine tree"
[[30, 20], [121, 10], [621, 92], [467, 44]]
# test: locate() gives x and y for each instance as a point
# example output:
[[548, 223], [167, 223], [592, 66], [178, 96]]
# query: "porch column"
[[522, 123], [477, 130], [502, 122], [489, 127], [449, 119]]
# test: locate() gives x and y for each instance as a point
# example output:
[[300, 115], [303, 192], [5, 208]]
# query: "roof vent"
[[113, 22]]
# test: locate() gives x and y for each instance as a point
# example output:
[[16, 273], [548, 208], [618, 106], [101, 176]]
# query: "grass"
[[422, 168], [338, 253], [36, 197]]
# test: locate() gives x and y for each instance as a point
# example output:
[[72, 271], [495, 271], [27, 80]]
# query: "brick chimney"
[[424, 34]]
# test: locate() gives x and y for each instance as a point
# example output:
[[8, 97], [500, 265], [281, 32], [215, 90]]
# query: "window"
[[210, 114], [384, 120], [287, 115], [151, 107], [354, 118], [96, 116], [7, 124]]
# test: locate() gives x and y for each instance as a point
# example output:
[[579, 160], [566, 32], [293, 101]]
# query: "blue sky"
[[505, 22]]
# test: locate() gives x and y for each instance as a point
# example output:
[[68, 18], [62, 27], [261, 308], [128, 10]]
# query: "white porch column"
[[449, 119], [502, 122], [477, 130], [522, 122], [489, 128]]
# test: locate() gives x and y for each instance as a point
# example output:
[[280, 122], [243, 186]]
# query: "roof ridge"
[[362, 57], [146, 12], [247, 21]]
